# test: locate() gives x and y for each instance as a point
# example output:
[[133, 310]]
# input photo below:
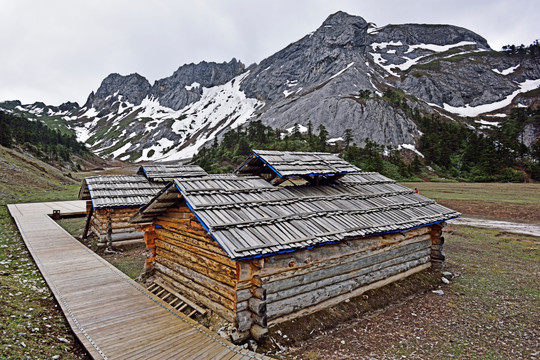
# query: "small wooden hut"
[[258, 254], [313, 167], [111, 202]]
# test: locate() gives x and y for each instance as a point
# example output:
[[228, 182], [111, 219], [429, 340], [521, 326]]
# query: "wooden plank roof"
[[296, 163], [165, 173], [250, 218], [118, 191]]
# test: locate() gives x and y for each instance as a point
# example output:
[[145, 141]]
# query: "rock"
[[239, 336], [438, 292], [445, 280], [132, 88], [56, 357], [223, 333], [447, 274], [253, 345]]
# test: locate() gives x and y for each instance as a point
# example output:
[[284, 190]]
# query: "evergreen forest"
[[451, 150], [38, 139]]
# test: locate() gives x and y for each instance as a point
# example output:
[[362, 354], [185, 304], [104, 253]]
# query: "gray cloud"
[[59, 50]]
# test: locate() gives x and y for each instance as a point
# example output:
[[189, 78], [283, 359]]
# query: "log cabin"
[[113, 200], [258, 254], [110, 202]]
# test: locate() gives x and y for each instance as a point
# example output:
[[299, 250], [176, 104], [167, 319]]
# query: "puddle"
[[519, 228]]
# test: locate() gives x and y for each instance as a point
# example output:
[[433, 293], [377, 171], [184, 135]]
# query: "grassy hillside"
[[32, 324], [24, 178]]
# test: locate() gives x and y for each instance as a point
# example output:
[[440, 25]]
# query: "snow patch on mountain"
[[473, 111], [438, 48], [410, 147], [510, 70], [405, 62]]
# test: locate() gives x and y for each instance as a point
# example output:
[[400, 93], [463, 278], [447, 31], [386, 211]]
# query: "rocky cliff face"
[[336, 76], [132, 88], [185, 86]]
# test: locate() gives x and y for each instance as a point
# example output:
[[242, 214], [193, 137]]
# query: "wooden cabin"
[[312, 167], [257, 254], [111, 202]]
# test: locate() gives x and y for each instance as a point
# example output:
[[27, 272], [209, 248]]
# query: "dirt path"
[[513, 227]]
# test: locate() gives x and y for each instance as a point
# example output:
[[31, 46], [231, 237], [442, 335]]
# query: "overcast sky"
[[60, 50]]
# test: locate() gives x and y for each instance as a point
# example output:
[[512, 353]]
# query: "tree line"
[[237, 144], [451, 150], [46, 143], [533, 49]]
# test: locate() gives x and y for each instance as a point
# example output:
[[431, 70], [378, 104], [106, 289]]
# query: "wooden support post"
[[258, 332], [150, 237], [109, 229], [87, 225]]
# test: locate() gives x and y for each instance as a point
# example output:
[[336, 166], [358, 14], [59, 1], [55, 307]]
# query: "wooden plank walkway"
[[112, 315]]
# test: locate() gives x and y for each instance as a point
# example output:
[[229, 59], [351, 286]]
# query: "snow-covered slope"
[[151, 131]]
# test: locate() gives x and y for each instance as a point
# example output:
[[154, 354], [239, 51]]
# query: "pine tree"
[[5, 135], [322, 138], [347, 138]]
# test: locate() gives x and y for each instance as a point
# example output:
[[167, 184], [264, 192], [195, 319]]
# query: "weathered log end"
[[437, 241], [257, 306], [258, 332], [240, 336]]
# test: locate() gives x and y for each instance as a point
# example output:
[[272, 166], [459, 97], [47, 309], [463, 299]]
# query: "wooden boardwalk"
[[113, 316]]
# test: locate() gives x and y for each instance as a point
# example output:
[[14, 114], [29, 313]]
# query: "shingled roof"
[[250, 218], [165, 173], [286, 164], [117, 191]]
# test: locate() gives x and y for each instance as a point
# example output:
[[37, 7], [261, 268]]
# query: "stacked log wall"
[[121, 229], [306, 281], [189, 260]]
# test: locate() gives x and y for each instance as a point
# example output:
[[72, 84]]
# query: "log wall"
[[189, 260], [121, 229], [302, 282]]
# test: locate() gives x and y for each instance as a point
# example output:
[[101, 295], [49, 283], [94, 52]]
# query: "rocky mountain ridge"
[[336, 76]]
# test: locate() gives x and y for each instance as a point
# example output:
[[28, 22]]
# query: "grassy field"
[[508, 201], [488, 311]]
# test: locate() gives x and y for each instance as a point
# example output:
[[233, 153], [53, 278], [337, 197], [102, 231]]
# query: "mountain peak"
[[132, 88], [342, 18]]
